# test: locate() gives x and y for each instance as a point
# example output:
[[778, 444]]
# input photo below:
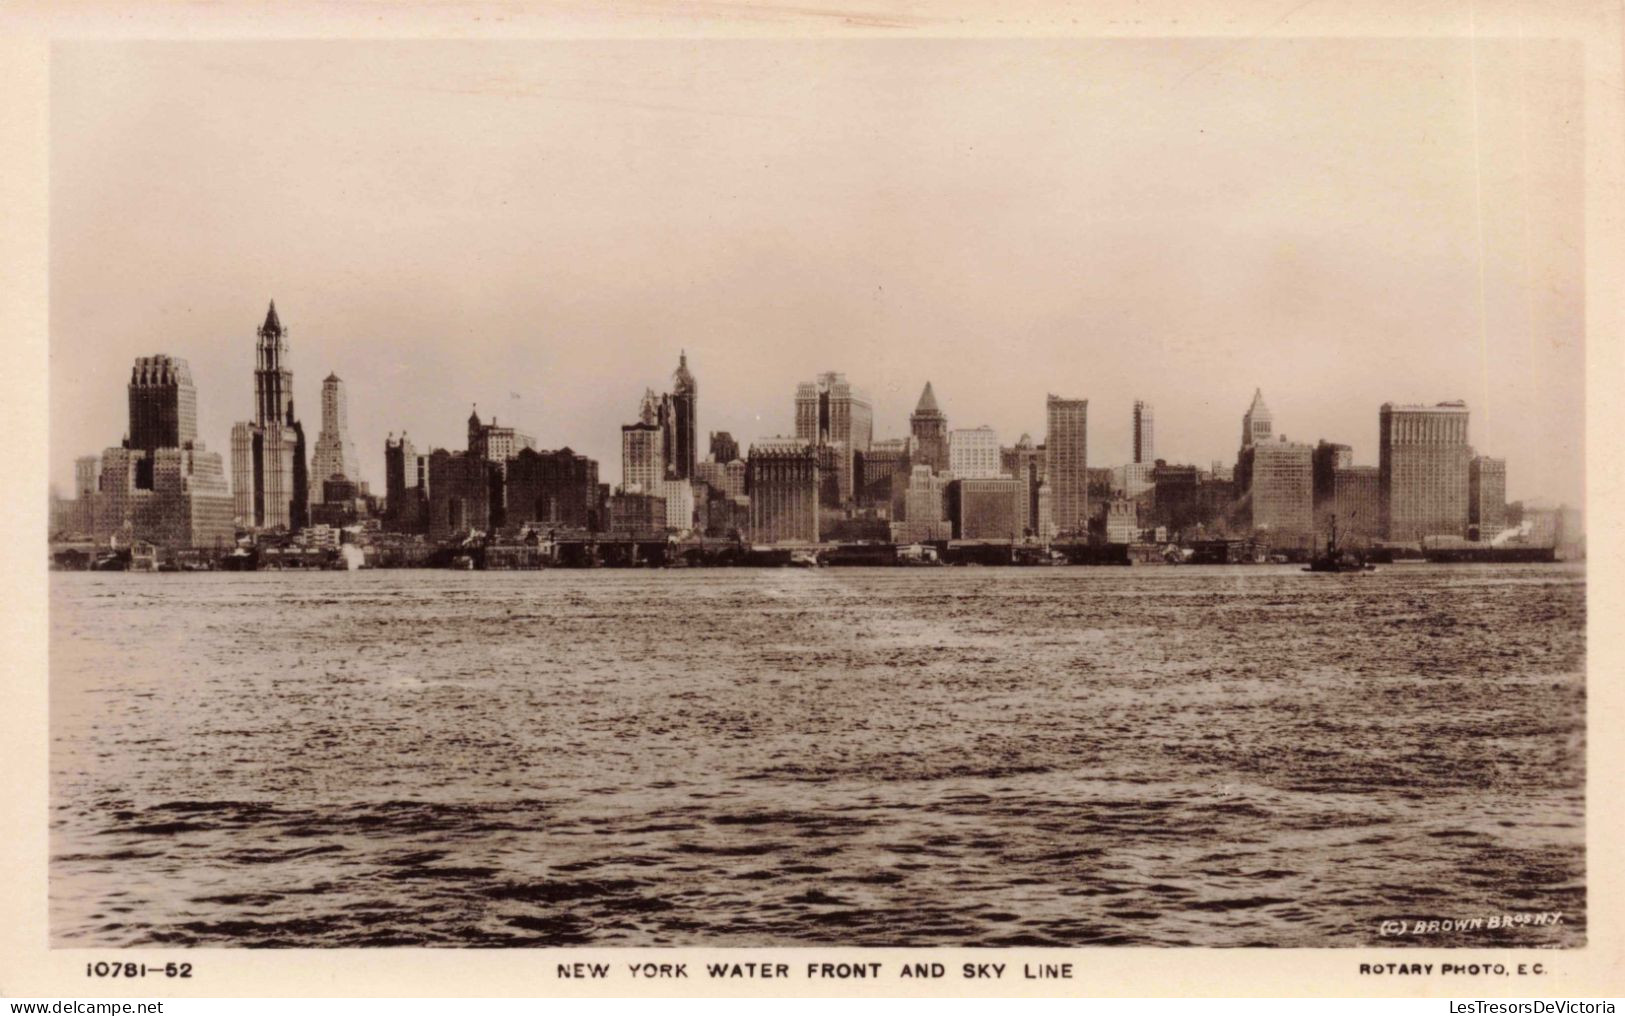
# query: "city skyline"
[[617, 454], [588, 228]]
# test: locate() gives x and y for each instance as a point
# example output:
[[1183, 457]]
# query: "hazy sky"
[[1341, 223]]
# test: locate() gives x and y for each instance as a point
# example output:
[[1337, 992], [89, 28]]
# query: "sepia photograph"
[[748, 493]]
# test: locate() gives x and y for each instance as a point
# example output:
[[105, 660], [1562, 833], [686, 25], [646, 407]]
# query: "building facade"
[[643, 466], [783, 480], [1329, 458], [1118, 521], [679, 498], [1176, 497], [637, 515], [1133, 479], [1357, 504], [461, 488], [1424, 460], [882, 474], [986, 508], [713, 474], [1279, 488], [1486, 496], [723, 447], [925, 514], [557, 489], [1066, 455], [974, 454]]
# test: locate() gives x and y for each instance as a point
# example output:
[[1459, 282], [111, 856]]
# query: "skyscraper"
[[1066, 453], [642, 465], [1144, 434], [161, 485], [930, 429], [460, 494], [163, 404], [335, 454], [685, 406], [1423, 462], [405, 486], [1256, 423], [783, 481], [832, 413], [270, 479], [1279, 479]]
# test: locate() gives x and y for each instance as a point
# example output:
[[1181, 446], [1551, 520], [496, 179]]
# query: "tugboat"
[[1334, 560]]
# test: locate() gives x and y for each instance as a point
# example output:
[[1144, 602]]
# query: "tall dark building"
[[405, 490], [882, 474], [553, 488], [163, 404], [724, 448], [930, 429], [783, 478], [270, 476], [1145, 446], [161, 485], [1328, 459], [685, 396], [1176, 500], [461, 489]]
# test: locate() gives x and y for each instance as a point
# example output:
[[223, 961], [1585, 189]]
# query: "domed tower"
[[685, 408]]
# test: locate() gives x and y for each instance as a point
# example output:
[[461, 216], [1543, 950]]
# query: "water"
[[957, 756]]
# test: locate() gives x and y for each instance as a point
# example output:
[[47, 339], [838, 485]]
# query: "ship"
[[1335, 559], [1519, 545]]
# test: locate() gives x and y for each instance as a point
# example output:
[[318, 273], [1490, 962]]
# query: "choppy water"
[[977, 756]]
